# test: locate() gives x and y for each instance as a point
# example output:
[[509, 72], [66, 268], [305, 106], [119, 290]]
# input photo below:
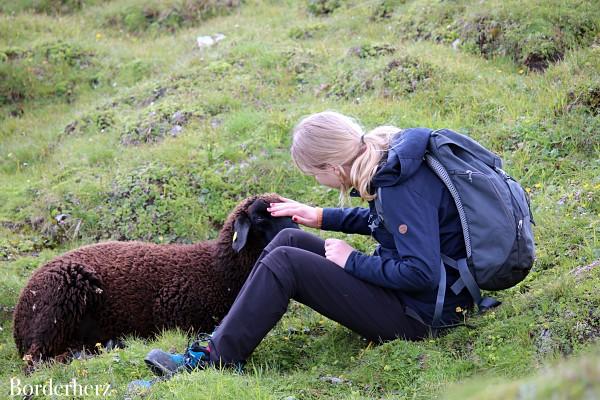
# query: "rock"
[[207, 41], [455, 44], [585, 268], [331, 379], [61, 218], [179, 117], [176, 130], [216, 122]]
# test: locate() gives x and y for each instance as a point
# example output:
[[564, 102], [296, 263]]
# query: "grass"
[[135, 133]]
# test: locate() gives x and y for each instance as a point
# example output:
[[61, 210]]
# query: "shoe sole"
[[157, 369]]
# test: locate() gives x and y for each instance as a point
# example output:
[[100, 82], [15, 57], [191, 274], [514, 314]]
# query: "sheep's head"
[[254, 221]]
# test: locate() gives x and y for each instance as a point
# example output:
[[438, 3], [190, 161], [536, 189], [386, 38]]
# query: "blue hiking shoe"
[[161, 363]]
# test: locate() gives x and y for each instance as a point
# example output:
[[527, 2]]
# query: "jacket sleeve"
[[347, 220], [413, 222]]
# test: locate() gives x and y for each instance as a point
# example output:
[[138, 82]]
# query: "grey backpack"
[[495, 216]]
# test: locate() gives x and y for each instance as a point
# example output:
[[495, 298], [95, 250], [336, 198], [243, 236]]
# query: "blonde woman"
[[387, 295]]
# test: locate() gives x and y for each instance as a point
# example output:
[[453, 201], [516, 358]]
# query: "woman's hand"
[[300, 213], [338, 251]]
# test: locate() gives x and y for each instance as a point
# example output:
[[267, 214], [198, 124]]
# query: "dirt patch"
[[540, 62]]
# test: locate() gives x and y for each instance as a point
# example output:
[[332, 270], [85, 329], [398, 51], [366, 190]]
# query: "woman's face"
[[329, 178]]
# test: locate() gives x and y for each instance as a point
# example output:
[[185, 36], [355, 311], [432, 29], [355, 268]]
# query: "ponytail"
[[364, 167]]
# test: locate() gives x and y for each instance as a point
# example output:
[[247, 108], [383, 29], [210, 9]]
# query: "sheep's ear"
[[240, 233]]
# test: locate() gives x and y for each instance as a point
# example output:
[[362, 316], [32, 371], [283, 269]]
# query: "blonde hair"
[[330, 138]]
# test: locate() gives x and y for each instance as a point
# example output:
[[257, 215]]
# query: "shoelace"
[[192, 359]]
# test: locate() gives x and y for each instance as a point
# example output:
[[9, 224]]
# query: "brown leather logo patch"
[[403, 229]]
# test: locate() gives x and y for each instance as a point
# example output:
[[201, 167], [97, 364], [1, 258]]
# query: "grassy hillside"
[[111, 114]]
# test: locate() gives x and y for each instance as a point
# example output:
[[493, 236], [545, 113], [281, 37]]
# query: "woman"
[[390, 294]]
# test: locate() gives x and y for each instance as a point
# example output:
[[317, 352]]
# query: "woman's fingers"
[[300, 213], [301, 220], [286, 200], [278, 211]]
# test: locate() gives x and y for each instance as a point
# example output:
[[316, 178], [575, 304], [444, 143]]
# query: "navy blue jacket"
[[422, 217]]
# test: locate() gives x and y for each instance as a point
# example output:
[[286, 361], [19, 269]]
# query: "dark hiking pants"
[[293, 266]]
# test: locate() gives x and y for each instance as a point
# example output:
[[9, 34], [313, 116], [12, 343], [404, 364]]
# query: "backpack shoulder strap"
[[379, 208]]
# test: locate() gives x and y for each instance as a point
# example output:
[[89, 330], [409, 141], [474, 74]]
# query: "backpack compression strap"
[[466, 278]]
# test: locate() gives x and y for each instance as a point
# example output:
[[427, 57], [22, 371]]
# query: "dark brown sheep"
[[103, 291]]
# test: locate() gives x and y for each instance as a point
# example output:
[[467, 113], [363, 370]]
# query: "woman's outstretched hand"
[[300, 213]]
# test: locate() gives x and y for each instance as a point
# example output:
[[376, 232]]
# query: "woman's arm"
[[347, 220]]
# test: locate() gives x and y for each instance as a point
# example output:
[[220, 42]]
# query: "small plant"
[[323, 7], [384, 9], [372, 50], [305, 32], [405, 75]]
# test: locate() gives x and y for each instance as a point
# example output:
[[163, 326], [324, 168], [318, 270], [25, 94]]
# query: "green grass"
[[135, 133]]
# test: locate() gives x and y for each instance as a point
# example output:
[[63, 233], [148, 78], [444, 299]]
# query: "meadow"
[[115, 125]]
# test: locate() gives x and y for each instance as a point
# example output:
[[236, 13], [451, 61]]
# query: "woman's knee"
[[279, 260], [289, 237], [293, 262], [279, 263]]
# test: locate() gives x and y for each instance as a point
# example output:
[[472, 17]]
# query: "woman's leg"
[[285, 272]]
